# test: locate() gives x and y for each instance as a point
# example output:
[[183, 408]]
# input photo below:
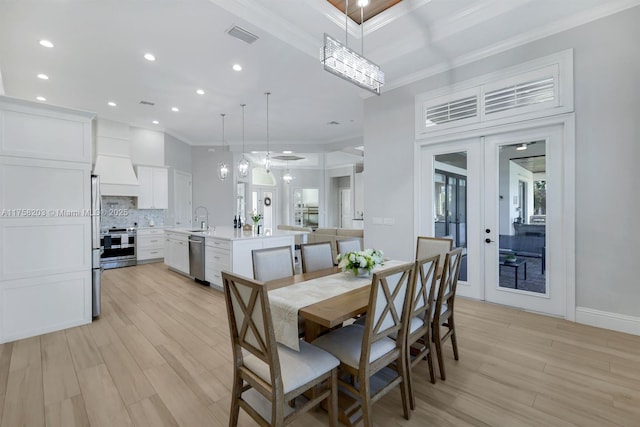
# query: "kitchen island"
[[226, 248]]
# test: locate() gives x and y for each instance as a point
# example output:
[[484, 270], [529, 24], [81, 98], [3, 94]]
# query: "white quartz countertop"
[[230, 233]]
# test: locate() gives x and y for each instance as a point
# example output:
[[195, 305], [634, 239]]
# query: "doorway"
[[506, 239], [263, 201], [344, 207]]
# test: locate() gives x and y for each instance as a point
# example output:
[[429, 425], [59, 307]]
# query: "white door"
[[346, 217], [439, 215], [524, 253], [492, 169], [182, 199]]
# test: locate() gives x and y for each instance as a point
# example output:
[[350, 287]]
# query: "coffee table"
[[515, 265]]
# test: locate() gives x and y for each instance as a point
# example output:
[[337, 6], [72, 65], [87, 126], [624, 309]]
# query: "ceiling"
[[99, 48]]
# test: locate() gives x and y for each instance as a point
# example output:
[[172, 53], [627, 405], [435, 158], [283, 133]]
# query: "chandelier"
[[243, 164], [223, 169], [346, 63], [287, 177], [267, 159]]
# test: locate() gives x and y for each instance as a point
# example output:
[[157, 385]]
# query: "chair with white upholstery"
[[316, 256], [272, 263], [348, 245], [365, 351], [419, 334], [430, 246], [266, 374], [443, 311]]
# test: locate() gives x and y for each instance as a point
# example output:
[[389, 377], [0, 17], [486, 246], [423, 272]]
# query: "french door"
[[515, 250]]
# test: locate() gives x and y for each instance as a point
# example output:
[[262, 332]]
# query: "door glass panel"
[[450, 201], [522, 217]]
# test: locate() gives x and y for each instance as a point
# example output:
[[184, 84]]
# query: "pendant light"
[[243, 164], [287, 178], [223, 169], [267, 159]]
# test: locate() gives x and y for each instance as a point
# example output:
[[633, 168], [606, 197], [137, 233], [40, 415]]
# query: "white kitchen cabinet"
[[225, 249], [217, 258], [150, 245], [177, 251], [45, 176], [154, 187]]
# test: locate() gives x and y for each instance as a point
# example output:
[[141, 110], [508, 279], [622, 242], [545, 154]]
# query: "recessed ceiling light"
[[237, 67], [175, 109], [149, 57], [287, 152], [41, 98], [46, 43], [200, 92], [43, 76], [155, 122], [254, 152], [111, 104]]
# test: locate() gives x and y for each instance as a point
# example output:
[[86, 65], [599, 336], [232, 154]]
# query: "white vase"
[[363, 272]]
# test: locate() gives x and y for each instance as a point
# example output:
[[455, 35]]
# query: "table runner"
[[286, 301]]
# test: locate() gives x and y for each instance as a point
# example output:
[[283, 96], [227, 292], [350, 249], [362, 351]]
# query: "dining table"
[[324, 299]]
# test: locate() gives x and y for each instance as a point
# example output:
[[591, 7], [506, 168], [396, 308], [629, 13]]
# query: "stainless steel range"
[[119, 247]]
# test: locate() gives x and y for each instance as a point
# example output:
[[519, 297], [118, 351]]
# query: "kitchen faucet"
[[204, 225]]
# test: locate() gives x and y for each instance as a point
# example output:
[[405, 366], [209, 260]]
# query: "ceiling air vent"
[[149, 103], [242, 34]]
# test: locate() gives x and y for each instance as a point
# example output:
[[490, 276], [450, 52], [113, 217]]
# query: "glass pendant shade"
[[267, 163], [267, 158], [243, 167], [243, 164], [223, 169], [287, 178]]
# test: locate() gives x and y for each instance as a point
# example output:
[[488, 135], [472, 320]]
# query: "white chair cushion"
[[346, 344], [297, 367]]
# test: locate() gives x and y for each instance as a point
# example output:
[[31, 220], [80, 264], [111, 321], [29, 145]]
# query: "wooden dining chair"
[[266, 374], [365, 351], [444, 307], [316, 256], [419, 341], [430, 246], [348, 245], [272, 263]]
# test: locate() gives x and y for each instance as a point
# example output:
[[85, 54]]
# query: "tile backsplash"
[[121, 212]]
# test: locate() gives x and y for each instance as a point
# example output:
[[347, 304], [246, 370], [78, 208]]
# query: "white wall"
[[607, 100], [147, 147], [208, 191]]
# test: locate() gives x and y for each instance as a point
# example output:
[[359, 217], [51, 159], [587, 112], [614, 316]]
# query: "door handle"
[[488, 240]]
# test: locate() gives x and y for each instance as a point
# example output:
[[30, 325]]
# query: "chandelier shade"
[[223, 168], [243, 164], [338, 59], [267, 158]]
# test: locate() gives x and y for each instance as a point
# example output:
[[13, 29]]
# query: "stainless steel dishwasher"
[[196, 257]]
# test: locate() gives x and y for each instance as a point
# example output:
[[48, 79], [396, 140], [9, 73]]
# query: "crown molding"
[[603, 11]]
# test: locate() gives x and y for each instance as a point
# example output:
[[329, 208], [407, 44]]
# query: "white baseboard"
[[604, 319]]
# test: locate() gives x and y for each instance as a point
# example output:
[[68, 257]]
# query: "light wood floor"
[[159, 356]]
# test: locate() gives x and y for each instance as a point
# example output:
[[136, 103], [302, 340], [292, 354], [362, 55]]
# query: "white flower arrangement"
[[365, 260]]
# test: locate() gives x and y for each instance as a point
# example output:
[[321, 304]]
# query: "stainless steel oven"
[[118, 247]]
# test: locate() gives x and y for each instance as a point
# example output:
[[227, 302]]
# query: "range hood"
[[117, 177]]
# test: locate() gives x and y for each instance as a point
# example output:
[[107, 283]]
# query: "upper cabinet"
[[154, 187], [28, 129]]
